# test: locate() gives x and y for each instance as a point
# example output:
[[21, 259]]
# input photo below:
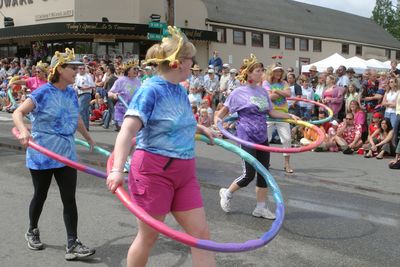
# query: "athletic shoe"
[[263, 213], [78, 251], [225, 201], [33, 239]]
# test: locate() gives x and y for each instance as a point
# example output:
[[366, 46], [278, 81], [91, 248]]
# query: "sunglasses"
[[349, 119]]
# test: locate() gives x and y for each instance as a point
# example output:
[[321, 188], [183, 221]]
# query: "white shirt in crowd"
[[84, 80]]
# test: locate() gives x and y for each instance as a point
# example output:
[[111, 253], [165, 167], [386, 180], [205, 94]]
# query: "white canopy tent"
[[334, 61], [376, 64], [358, 64]]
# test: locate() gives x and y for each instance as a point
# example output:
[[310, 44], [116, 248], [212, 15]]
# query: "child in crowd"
[[204, 119], [351, 95], [97, 112], [331, 144], [195, 113]]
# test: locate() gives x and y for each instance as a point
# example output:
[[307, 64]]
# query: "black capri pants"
[[249, 172], [66, 180]]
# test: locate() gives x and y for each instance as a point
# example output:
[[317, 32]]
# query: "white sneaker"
[[225, 201], [264, 213]]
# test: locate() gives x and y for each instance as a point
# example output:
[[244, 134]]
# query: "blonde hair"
[[203, 110], [176, 47]]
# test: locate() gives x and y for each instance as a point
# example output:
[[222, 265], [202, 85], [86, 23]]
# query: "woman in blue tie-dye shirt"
[[162, 178], [55, 118]]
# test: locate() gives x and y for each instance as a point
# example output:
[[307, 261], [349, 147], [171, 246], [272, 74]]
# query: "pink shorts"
[[160, 184]]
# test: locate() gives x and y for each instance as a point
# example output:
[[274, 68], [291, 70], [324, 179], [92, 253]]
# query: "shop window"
[[397, 54], [345, 49], [131, 50], [239, 37], [358, 50], [387, 53], [257, 39], [303, 44], [83, 48], [289, 43], [274, 41], [3, 51], [221, 34], [317, 45]]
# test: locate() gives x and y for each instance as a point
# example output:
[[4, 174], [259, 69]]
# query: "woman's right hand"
[[24, 137], [114, 180]]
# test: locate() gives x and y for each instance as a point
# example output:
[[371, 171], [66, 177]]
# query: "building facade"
[[291, 32]]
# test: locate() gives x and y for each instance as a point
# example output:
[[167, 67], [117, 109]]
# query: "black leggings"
[[249, 172], [66, 180]]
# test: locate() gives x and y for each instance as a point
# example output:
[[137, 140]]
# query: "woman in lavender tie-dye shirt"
[[252, 104], [125, 86]]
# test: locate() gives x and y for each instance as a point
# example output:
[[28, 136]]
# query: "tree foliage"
[[387, 16]]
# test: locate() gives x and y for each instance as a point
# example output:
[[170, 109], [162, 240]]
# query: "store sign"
[[90, 27], [52, 15], [14, 3]]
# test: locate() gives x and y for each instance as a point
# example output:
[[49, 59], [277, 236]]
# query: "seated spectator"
[[348, 136], [380, 142], [374, 123], [97, 112]]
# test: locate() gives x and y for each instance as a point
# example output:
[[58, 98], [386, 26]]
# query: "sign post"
[[156, 24]]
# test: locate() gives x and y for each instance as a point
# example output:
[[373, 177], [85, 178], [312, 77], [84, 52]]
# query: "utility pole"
[[171, 12]]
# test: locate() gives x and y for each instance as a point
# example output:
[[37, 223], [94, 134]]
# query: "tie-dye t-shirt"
[[252, 105], [125, 87], [54, 122], [169, 126], [280, 103]]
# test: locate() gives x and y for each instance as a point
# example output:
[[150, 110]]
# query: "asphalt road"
[[340, 211]]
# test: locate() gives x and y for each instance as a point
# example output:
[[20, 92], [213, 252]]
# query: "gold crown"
[[60, 59], [43, 66], [173, 61], [130, 63], [247, 63]]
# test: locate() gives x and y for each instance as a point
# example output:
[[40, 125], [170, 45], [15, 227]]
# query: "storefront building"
[[98, 28]]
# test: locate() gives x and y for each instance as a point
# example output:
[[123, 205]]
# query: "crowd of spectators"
[[366, 107]]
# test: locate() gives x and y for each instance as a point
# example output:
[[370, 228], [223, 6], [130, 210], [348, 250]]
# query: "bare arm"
[[387, 139], [83, 131], [281, 115], [18, 116], [221, 114], [19, 81], [123, 144]]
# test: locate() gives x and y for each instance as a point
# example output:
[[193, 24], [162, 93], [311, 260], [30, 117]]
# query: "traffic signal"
[[8, 22]]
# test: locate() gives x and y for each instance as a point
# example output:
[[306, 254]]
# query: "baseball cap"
[[377, 115]]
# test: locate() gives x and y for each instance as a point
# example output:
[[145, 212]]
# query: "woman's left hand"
[[207, 132], [92, 144]]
